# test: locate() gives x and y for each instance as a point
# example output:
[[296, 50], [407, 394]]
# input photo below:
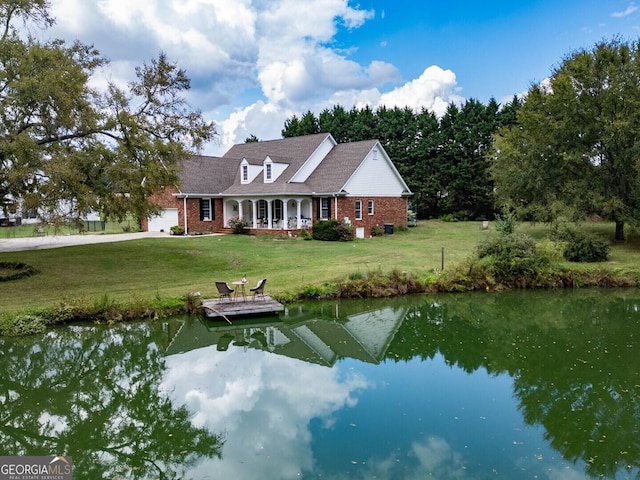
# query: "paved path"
[[56, 241]]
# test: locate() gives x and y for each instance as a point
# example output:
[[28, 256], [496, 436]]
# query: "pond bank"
[[375, 284]]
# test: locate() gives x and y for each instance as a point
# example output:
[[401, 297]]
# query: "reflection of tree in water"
[[92, 393], [576, 373]]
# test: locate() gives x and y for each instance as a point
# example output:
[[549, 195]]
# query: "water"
[[515, 385]]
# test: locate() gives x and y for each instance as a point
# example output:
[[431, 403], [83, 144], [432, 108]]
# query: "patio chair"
[[259, 289], [224, 290]]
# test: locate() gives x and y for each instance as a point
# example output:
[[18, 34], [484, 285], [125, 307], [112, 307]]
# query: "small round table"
[[240, 287]]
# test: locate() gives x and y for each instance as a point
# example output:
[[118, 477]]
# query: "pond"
[[510, 385]]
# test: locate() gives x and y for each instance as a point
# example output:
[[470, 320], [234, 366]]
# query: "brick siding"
[[385, 210]]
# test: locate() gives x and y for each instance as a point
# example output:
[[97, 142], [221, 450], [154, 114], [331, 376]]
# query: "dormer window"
[[268, 172], [244, 172]]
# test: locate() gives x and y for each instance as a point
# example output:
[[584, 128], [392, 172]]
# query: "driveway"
[[56, 241]]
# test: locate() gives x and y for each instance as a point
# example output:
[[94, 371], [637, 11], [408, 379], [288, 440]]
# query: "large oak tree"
[[67, 149], [576, 147]]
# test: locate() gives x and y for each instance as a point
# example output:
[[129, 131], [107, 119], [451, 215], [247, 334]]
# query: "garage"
[[163, 222]]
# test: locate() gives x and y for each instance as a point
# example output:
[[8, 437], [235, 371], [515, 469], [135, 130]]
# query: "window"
[[324, 208], [262, 209], [277, 210], [245, 174], [205, 209], [370, 207], [268, 172], [358, 209]]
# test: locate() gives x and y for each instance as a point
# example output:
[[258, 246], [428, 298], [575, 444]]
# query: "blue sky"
[[254, 63]]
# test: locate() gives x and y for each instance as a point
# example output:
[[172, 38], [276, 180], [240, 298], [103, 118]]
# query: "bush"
[[332, 231], [238, 225], [177, 230], [511, 259], [583, 247], [376, 231], [506, 223], [305, 235]]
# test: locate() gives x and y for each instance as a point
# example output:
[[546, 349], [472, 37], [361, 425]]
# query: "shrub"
[[551, 251], [332, 231], [506, 223], [509, 258], [376, 231], [583, 247], [449, 217], [305, 235], [345, 232], [177, 230], [238, 225]]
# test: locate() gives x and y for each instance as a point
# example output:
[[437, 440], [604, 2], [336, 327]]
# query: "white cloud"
[[280, 50], [628, 11], [434, 90]]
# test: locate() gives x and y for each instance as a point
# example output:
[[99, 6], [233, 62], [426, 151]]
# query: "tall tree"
[[306, 125], [336, 122], [576, 147], [425, 181], [466, 139], [66, 149], [363, 124]]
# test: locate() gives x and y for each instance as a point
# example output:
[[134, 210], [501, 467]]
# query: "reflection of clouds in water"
[[263, 402], [431, 458], [435, 458], [566, 473]]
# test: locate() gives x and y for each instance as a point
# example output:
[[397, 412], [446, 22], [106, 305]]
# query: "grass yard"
[[147, 269], [29, 229]]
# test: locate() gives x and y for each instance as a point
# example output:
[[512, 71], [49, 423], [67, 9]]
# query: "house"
[[282, 186]]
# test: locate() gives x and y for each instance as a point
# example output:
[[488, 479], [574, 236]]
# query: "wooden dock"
[[215, 308]]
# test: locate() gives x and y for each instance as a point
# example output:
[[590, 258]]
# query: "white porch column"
[[299, 214], [240, 211], [285, 213], [270, 214], [254, 219]]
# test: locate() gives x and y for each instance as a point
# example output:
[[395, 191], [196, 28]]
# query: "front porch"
[[262, 214]]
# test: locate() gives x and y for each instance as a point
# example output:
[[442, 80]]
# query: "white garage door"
[[162, 223]]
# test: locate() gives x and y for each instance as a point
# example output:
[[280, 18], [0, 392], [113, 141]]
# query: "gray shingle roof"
[[207, 175], [338, 166], [221, 175], [293, 148]]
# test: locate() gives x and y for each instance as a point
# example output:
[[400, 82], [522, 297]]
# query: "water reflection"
[[571, 363], [514, 385], [93, 393]]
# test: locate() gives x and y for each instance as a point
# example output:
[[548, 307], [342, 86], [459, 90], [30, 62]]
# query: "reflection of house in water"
[[321, 337]]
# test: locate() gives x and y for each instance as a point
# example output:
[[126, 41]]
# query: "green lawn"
[[28, 229], [147, 269]]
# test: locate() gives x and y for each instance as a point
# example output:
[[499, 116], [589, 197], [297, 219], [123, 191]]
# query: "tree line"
[[445, 161], [568, 150]]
